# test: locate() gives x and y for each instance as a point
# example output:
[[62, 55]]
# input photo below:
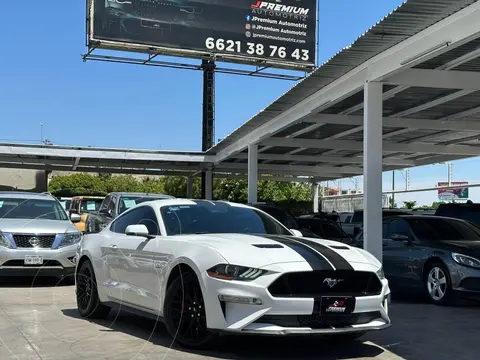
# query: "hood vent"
[[268, 246], [339, 247]]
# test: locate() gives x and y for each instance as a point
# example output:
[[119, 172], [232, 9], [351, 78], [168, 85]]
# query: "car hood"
[[467, 247], [36, 226], [263, 250]]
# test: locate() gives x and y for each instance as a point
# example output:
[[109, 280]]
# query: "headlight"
[[380, 273], [466, 260], [70, 239], [4, 242], [235, 272]]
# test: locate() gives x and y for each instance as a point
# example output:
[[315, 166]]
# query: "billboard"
[[458, 193], [278, 33]]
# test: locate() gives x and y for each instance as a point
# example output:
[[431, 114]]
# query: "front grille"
[[312, 284], [20, 263], [315, 321], [25, 241]]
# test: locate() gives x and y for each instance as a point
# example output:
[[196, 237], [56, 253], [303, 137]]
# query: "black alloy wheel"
[[88, 302], [185, 317]]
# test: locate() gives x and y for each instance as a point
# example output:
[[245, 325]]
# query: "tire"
[[68, 280], [183, 301], [88, 302], [434, 284]]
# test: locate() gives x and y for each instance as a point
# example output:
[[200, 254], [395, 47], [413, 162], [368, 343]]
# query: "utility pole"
[[41, 133], [208, 117], [393, 189], [449, 173]]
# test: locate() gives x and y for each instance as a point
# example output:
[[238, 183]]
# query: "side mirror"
[[106, 212], [75, 218], [138, 230], [296, 233], [400, 237]]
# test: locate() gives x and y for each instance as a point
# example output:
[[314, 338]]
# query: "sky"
[[43, 79]]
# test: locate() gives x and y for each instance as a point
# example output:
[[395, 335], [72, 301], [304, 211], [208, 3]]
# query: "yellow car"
[[83, 205]]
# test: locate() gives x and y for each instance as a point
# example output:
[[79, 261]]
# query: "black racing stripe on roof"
[[313, 258], [336, 259]]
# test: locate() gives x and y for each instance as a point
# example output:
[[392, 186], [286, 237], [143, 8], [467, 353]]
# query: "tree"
[[77, 184], [235, 190], [392, 203], [410, 204]]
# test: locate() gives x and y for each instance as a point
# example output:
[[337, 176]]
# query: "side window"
[[140, 216], [384, 229], [398, 226]]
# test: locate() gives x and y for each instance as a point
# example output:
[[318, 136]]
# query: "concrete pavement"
[[41, 322]]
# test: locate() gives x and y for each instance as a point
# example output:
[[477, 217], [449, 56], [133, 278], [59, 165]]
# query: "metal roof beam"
[[438, 79], [455, 29], [341, 171], [91, 170], [398, 122], [75, 163], [98, 164], [99, 154], [387, 146], [325, 159]]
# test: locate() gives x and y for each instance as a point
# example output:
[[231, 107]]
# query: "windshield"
[[127, 202], [14, 208], [88, 205], [437, 229], [218, 218]]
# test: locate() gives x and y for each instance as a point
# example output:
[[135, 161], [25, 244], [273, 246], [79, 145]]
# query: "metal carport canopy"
[[417, 73]]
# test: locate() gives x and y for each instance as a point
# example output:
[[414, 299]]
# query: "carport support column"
[[209, 184], [252, 173], [315, 196], [372, 168], [189, 186]]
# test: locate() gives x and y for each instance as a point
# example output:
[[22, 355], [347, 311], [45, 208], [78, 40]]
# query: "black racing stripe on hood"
[[314, 259], [336, 259]]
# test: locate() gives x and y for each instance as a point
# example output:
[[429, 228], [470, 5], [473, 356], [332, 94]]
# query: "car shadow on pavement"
[[29, 282], [239, 347], [424, 331]]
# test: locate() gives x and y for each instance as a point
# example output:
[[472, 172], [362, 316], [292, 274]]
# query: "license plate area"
[[33, 260], [337, 305]]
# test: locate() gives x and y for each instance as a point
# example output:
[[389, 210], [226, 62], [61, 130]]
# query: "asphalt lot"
[[41, 322]]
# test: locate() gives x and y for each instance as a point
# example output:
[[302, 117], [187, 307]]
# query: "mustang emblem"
[[34, 241], [332, 282]]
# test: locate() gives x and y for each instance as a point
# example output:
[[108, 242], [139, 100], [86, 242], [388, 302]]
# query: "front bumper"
[[465, 281], [56, 262], [287, 316]]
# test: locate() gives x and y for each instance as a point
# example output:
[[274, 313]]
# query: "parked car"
[[115, 204], [84, 205], [324, 228], [469, 211], [355, 225], [437, 255], [37, 237], [209, 267], [287, 219], [65, 202]]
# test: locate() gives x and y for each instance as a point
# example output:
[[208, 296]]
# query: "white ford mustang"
[[210, 267]]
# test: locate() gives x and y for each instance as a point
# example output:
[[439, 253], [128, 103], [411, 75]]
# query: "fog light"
[[240, 299]]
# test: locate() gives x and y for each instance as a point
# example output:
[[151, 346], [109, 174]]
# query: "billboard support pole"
[[208, 118]]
